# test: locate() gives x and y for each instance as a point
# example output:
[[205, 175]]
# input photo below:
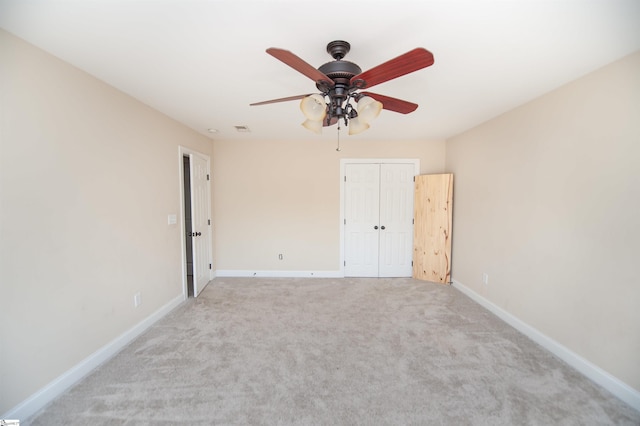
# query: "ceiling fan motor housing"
[[339, 71]]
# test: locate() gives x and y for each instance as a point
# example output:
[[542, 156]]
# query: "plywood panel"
[[433, 214]]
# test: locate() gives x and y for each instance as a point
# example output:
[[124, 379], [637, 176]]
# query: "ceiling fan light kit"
[[357, 125], [339, 82], [314, 107], [368, 108], [313, 125]]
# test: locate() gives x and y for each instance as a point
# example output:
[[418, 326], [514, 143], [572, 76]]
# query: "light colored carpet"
[[334, 352]]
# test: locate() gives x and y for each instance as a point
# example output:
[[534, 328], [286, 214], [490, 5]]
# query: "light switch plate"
[[172, 219]]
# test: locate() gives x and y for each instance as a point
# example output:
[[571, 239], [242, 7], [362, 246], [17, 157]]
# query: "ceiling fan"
[[340, 82]]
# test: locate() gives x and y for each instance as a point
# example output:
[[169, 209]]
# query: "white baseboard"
[[614, 385], [48, 393], [278, 274]]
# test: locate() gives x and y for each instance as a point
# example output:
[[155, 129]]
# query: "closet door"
[[396, 220], [362, 216], [378, 220]]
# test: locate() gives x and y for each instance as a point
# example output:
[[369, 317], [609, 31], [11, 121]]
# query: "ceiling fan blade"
[[299, 65], [404, 64], [273, 101], [393, 104]]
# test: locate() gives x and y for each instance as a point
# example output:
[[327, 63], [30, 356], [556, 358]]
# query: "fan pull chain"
[[338, 148]]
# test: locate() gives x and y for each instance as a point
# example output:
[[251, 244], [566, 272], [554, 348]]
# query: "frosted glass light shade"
[[313, 107], [368, 109], [356, 125], [313, 125]]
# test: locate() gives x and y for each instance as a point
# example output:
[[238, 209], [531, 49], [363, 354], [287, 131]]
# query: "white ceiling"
[[204, 62]]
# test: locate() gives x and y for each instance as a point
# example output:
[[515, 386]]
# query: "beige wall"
[[547, 201], [88, 176], [276, 197]]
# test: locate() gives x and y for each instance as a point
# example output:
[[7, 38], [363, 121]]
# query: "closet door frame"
[[343, 165]]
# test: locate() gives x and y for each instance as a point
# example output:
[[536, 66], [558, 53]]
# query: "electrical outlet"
[[137, 300], [485, 278]]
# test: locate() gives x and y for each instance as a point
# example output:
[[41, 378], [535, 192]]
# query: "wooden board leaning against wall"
[[433, 215]]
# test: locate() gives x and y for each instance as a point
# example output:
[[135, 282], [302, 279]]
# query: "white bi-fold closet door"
[[378, 220]]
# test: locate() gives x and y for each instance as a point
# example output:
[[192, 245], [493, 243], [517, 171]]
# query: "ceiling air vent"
[[244, 129]]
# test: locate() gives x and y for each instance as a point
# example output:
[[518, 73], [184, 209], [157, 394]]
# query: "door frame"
[[182, 151], [343, 165]]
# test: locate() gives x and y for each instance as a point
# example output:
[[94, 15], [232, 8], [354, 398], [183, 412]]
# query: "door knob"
[[198, 234], [375, 227], [382, 227]]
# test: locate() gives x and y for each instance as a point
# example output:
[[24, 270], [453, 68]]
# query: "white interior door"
[[396, 220], [200, 227], [362, 216], [378, 227]]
